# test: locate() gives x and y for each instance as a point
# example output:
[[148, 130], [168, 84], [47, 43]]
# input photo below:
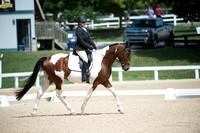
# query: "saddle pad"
[[73, 63]]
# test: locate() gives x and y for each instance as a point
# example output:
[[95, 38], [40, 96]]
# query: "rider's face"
[[82, 24]]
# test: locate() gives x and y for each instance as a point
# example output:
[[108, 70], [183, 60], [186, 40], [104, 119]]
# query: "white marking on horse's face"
[[60, 74], [56, 57]]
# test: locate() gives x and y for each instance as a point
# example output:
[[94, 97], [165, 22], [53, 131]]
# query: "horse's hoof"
[[83, 114], [33, 114], [73, 113], [120, 111]]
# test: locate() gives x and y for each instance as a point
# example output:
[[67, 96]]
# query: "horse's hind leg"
[[60, 96], [89, 93], [40, 92], [108, 85]]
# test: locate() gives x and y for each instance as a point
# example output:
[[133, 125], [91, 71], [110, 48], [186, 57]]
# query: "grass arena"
[[141, 113]]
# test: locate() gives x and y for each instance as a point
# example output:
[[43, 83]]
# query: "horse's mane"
[[115, 44]]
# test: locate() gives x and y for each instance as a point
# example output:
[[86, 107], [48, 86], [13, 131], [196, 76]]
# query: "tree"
[[186, 9], [116, 7], [70, 9]]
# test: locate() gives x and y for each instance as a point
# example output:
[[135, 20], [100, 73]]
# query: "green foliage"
[[186, 9]]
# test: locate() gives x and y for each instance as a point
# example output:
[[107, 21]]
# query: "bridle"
[[123, 62]]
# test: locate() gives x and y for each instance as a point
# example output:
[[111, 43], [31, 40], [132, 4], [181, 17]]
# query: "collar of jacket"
[[83, 28]]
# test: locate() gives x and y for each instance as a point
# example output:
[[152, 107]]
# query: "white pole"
[[38, 81], [120, 76], [92, 24], [156, 74], [110, 79], [196, 73], [16, 82], [174, 20]]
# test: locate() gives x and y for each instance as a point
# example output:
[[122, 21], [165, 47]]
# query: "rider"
[[83, 44]]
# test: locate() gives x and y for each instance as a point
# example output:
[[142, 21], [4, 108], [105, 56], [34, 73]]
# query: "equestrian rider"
[[83, 44]]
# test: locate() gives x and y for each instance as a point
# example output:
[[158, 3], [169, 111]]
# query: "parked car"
[[71, 39], [149, 32]]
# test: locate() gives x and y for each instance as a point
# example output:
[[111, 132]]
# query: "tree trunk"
[[120, 23], [55, 15]]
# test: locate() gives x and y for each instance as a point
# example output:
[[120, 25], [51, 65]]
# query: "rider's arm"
[[92, 43], [80, 38]]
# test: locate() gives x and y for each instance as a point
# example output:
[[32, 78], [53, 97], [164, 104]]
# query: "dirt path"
[[142, 113]]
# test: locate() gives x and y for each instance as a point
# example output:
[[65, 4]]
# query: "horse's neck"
[[112, 53]]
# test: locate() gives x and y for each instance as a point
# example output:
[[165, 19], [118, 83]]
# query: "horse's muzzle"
[[126, 68]]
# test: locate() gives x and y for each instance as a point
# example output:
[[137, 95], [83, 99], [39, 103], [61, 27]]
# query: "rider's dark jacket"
[[83, 39]]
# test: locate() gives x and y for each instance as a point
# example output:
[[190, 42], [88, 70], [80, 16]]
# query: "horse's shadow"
[[61, 115]]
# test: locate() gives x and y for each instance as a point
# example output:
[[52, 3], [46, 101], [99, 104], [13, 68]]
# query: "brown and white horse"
[[56, 70]]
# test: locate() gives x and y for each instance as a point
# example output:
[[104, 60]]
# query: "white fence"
[[170, 94], [113, 22], [118, 69], [156, 69]]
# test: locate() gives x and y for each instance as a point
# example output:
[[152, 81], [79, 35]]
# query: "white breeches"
[[83, 55]]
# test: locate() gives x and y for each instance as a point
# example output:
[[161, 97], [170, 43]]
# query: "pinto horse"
[[56, 69]]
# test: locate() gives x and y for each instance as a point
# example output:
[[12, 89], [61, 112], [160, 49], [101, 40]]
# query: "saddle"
[[75, 63]]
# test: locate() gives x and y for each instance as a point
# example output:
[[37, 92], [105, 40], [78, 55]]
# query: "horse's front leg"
[[108, 85], [89, 93]]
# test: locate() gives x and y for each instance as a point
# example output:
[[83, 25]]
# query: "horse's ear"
[[127, 45]]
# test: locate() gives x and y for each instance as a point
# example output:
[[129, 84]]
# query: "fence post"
[[92, 24], [16, 82], [38, 81], [120, 76], [196, 73], [174, 20], [156, 74], [0, 74], [108, 25], [110, 79]]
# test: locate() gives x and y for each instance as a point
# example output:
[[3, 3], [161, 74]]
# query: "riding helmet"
[[81, 19]]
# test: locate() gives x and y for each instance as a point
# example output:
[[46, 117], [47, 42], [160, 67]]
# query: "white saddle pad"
[[73, 63]]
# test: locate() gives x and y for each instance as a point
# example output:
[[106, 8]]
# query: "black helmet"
[[81, 19]]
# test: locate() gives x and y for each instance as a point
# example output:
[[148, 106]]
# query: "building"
[[17, 24]]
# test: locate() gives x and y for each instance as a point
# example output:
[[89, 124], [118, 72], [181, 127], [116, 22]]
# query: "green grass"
[[25, 61]]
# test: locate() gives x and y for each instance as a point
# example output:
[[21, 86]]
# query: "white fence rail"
[[114, 21], [118, 69], [156, 69], [170, 94]]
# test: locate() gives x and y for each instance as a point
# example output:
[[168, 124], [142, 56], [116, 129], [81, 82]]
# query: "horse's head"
[[124, 56]]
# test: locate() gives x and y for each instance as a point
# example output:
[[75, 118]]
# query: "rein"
[[107, 57]]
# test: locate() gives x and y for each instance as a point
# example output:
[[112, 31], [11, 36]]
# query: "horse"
[[56, 68]]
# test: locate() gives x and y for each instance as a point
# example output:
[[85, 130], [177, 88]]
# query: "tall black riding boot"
[[84, 77]]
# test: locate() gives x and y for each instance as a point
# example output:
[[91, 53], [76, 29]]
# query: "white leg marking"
[[40, 93], [113, 91], [60, 96], [89, 93]]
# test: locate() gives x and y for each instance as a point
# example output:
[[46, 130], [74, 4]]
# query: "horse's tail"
[[31, 80]]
